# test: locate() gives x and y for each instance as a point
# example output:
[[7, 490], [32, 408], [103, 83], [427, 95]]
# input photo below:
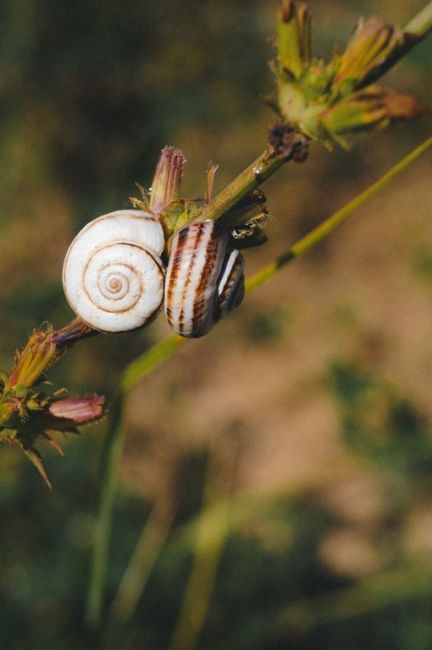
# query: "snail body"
[[204, 278], [112, 274]]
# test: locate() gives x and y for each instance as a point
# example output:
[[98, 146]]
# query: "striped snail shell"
[[112, 274], [204, 278]]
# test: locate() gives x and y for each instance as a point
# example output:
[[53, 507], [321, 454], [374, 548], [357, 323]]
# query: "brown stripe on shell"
[[182, 267], [200, 229], [205, 311], [201, 289], [173, 268]]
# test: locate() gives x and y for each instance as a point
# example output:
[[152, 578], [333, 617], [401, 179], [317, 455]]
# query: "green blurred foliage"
[[380, 425], [89, 93]]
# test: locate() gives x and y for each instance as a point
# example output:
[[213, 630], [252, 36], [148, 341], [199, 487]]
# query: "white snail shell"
[[204, 278], [112, 274]]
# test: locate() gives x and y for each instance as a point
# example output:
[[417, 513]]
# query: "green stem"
[[264, 166], [145, 555], [162, 351], [145, 363], [249, 179], [210, 538], [416, 30], [326, 227], [421, 24], [146, 552], [109, 470]]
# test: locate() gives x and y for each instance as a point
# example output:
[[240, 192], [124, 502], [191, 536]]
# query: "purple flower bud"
[[79, 410], [167, 179]]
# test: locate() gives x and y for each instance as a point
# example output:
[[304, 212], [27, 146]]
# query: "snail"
[[204, 278], [113, 275]]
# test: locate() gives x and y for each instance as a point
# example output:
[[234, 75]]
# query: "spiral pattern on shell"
[[204, 278], [112, 274]]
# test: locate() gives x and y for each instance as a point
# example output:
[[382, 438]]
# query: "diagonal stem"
[[109, 470], [269, 162], [326, 227], [421, 24], [156, 355], [163, 350], [250, 178]]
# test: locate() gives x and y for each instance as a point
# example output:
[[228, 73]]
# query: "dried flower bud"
[[294, 37], [27, 420], [167, 179], [78, 410], [31, 364], [26, 414], [368, 54], [42, 350], [326, 101], [371, 108]]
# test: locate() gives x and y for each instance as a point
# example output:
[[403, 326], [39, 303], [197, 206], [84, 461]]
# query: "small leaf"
[[34, 456], [53, 443]]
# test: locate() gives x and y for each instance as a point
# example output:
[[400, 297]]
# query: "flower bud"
[[31, 364], [326, 101], [368, 54], [26, 422], [372, 108], [78, 410], [293, 38], [167, 179], [42, 350]]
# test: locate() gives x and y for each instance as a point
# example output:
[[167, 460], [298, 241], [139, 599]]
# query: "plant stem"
[[421, 24], [414, 31], [326, 227], [162, 351], [144, 364], [109, 471], [261, 169], [266, 165], [157, 354], [210, 539], [151, 540], [146, 552]]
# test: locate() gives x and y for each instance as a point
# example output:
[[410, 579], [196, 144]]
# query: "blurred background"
[[279, 471]]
